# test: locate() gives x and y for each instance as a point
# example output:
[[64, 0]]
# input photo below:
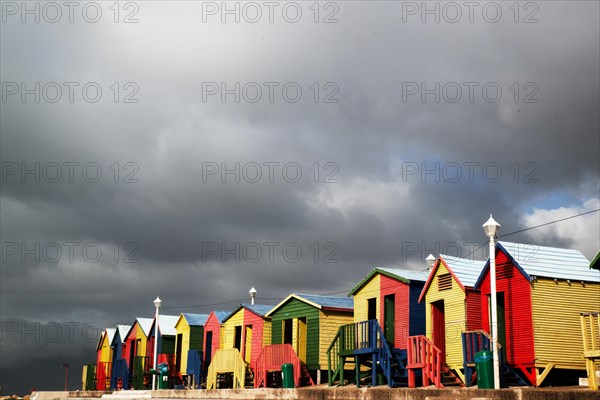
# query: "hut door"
[[389, 313], [178, 352], [302, 339], [248, 344], [501, 319], [439, 327], [287, 331], [372, 308], [208, 353], [237, 338]]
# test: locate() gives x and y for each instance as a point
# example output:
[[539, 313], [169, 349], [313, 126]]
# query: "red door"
[[439, 327]]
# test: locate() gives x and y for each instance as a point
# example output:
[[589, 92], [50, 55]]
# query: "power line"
[[470, 254]]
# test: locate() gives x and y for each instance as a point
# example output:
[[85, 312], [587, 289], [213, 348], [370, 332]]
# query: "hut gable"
[[300, 320]]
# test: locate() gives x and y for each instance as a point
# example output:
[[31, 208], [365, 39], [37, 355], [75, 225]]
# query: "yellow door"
[[302, 339], [248, 344]]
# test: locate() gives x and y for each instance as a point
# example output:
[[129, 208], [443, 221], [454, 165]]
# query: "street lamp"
[[430, 261], [157, 303], [491, 229], [66, 367], [252, 295]]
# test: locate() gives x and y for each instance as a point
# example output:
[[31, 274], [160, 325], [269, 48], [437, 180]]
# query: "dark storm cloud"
[[164, 218]]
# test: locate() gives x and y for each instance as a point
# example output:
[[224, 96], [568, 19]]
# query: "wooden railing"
[[424, 355], [90, 377], [227, 361], [272, 358], [360, 339], [103, 371], [120, 375], [590, 330], [194, 366], [140, 378]]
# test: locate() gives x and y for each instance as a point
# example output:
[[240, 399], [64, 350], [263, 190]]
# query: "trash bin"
[[163, 381], [485, 369], [287, 376]]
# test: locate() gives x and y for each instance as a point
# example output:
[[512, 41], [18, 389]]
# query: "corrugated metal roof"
[[551, 262], [329, 301], [123, 329], [466, 270], [166, 324], [111, 334], [195, 319], [410, 274], [259, 309], [145, 324], [221, 315]]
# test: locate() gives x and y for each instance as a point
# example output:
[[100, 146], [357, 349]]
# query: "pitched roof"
[[221, 315], [320, 302], [144, 323], [548, 262], [402, 275], [595, 264], [465, 271], [259, 309], [108, 334], [195, 319], [121, 333], [166, 324]]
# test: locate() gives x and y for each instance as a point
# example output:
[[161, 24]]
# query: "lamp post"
[[252, 295], [66, 367], [157, 303], [430, 261], [491, 229]]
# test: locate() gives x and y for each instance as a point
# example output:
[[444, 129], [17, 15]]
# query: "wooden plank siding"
[[105, 351], [295, 309], [330, 322], [556, 323], [258, 324], [183, 328], [417, 310], [519, 346], [228, 329], [454, 316], [400, 291], [212, 325], [370, 290]]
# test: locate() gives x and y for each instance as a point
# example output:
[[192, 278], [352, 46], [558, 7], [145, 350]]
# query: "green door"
[[389, 312]]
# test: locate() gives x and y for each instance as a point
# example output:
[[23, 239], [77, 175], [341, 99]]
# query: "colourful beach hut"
[[451, 307], [134, 352], [119, 374], [212, 336], [189, 342], [104, 359], [244, 332], [391, 296], [541, 292], [309, 323]]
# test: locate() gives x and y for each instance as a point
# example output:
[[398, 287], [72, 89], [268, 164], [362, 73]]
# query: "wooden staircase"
[[426, 358], [120, 375], [103, 371], [228, 369], [590, 331], [272, 358], [363, 344]]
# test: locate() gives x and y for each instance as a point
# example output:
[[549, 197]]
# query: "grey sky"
[[363, 142]]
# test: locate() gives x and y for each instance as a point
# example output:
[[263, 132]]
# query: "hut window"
[[445, 282]]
